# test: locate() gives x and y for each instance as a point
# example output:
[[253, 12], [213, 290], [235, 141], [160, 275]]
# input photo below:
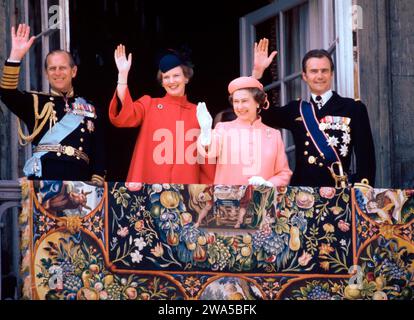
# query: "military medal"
[[90, 126], [81, 108], [341, 124]]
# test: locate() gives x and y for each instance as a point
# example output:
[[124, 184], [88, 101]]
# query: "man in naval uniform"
[[65, 130], [327, 130]]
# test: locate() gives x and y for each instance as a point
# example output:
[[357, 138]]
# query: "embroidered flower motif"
[[158, 250], [333, 141], [304, 259], [327, 192], [133, 186], [329, 228], [346, 138], [122, 232], [324, 265], [156, 188], [140, 243], [325, 249], [343, 226], [344, 150], [305, 200], [136, 256]]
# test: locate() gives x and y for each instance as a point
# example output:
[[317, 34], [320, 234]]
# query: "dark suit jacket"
[[341, 110]]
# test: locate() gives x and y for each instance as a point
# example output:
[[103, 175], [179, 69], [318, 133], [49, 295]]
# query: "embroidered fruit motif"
[[155, 211], [170, 199], [87, 294], [294, 242], [108, 280], [352, 292], [172, 238], [199, 254], [245, 251], [247, 239], [202, 240], [186, 218], [131, 293], [379, 295], [94, 268]]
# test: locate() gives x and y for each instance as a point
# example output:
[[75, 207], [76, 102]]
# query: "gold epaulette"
[[47, 113], [10, 77]]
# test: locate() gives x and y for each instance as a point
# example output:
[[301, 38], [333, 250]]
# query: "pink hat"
[[244, 82]]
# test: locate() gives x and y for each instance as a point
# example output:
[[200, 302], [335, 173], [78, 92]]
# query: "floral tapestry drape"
[[133, 241]]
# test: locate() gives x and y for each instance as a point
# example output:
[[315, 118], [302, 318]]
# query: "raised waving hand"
[[21, 42], [122, 63], [262, 59]]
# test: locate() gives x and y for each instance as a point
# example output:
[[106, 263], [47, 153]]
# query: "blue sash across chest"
[[53, 136], [317, 136]]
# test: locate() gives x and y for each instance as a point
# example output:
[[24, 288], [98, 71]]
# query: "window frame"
[[64, 37], [330, 27]]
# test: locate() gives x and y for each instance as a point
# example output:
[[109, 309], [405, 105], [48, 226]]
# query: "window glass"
[[295, 25], [36, 63], [270, 29]]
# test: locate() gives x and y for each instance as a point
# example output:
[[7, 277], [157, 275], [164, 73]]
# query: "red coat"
[[166, 148]]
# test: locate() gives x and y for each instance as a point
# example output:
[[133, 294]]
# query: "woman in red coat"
[[165, 151]]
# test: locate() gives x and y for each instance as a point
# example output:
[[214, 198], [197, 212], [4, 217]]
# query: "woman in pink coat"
[[247, 151]]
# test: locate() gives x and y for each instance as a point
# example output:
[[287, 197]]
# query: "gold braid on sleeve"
[[48, 113]]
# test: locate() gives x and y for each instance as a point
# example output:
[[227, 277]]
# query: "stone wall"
[[386, 70], [4, 113], [401, 39]]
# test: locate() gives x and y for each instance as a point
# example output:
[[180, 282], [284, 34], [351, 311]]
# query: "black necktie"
[[319, 102]]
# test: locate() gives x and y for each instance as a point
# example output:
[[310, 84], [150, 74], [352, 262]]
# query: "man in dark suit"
[[342, 123], [65, 130]]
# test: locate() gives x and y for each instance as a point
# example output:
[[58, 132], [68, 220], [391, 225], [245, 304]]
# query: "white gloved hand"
[[205, 121], [259, 181]]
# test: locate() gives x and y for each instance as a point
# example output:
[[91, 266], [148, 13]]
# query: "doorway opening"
[[209, 28]]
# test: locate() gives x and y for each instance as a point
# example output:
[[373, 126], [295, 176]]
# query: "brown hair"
[[71, 61], [187, 71], [258, 95], [318, 53]]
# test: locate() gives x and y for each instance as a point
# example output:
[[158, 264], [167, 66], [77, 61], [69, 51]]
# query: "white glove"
[[259, 181], [205, 121]]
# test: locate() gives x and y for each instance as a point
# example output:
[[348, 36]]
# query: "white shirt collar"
[[325, 97]]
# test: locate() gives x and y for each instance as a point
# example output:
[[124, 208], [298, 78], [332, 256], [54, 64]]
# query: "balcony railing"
[[10, 196]]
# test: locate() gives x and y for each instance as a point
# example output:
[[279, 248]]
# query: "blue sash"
[[318, 136], [53, 136]]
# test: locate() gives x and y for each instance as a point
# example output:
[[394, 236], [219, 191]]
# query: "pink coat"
[[244, 150]]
